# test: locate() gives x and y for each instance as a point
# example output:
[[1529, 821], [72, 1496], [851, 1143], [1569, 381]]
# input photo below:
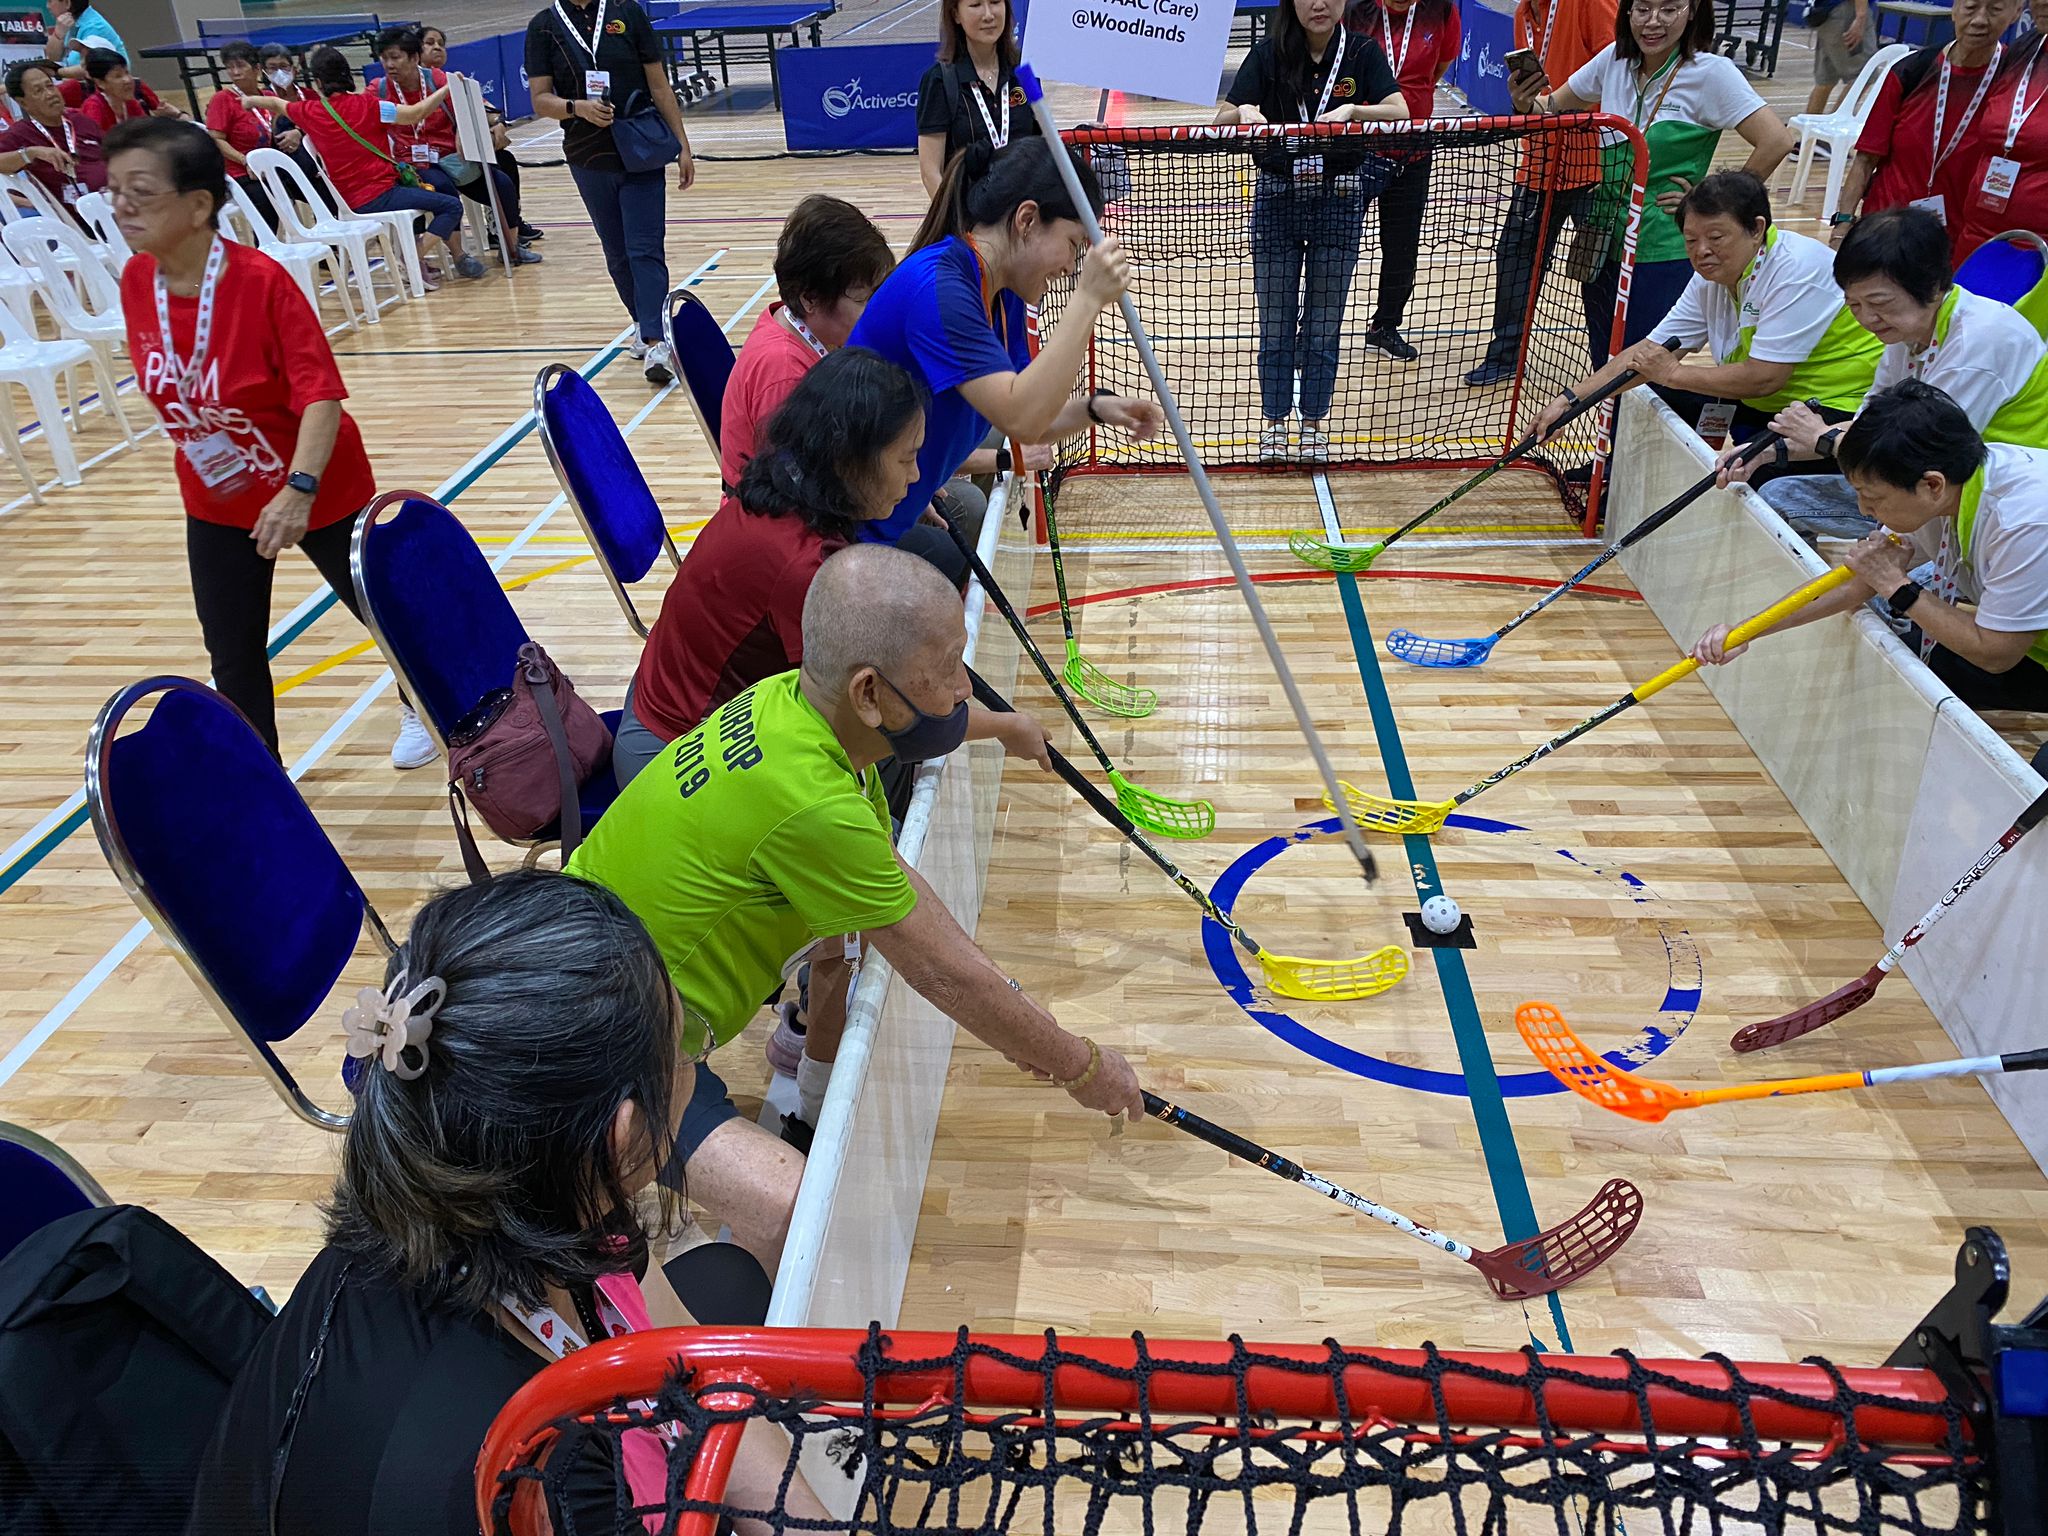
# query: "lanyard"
[[1329, 80], [2018, 120], [596, 32], [1001, 135], [258, 113], [185, 375], [557, 1335], [70, 144], [998, 321], [789, 319], [1400, 59], [1969, 112], [1549, 25], [1668, 74]]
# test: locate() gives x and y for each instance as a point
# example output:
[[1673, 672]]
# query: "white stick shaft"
[[1939, 910], [1171, 407], [1969, 1066], [1394, 1219]]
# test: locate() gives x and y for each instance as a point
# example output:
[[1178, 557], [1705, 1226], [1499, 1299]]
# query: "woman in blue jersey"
[[953, 314]]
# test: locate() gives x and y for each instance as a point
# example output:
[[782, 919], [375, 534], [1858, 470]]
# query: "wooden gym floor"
[[1773, 1230]]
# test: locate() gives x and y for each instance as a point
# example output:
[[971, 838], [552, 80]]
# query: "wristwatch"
[[1093, 396], [1003, 460], [303, 483], [1827, 441], [1838, 218], [1903, 599]]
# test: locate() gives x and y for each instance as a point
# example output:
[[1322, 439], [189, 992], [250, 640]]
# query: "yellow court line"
[[353, 651], [1564, 530]]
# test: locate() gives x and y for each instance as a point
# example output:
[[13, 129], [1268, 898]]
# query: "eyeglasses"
[[1659, 12], [138, 198]]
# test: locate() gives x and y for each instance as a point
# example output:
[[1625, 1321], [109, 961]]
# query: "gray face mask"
[[281, 78]]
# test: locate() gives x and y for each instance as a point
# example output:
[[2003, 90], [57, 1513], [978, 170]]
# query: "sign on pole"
[[1166, 48]]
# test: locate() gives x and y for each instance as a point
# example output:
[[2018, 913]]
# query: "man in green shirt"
[[764, 831]]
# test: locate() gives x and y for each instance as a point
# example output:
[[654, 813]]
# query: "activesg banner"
[[858, 97], [1481, 73]]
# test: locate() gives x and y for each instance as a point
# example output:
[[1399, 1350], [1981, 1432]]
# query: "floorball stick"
[[1326, 981], [1082, 675], [1421, 651], [1843, 1000], [1156, 813], [1591, 1076], [1328, 556], [1547, 1262], [1063, 162], [1402, 817]]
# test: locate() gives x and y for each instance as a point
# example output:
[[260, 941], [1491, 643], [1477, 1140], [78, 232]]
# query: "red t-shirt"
[[767, 369], [436, 130], [360, 175], [104, 113], [81, 141], [1432, 47], [242, 126], [1899, 133], [267, 362], [2027, 208], [733, 615]]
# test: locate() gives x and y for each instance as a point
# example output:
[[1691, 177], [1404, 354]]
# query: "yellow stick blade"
[[1575, 1064], [1163, 817], [1325, 556], [1377, 813], [1335, 981]]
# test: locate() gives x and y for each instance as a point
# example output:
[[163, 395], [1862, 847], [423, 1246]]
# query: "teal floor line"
[[1482, 1082]]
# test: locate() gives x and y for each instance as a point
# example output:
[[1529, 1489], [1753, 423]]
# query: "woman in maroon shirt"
[[117, 95], [233, 358]]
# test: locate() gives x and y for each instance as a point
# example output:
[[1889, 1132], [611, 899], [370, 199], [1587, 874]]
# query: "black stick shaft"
[[1107, 809], [1220, 1137], [1015, 620], [1059, 569]]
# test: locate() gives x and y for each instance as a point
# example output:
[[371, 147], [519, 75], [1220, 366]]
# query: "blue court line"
[[1482, 1081]]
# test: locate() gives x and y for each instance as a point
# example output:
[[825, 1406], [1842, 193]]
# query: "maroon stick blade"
[[1804, 1021], [1570, 1251]]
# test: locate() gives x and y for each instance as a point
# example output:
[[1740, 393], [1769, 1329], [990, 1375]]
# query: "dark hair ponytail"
[[983, 188], [821, 444]]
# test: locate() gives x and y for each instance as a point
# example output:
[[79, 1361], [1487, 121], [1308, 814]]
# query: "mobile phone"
[[1523, 61]]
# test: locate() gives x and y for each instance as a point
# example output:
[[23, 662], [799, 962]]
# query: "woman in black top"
[[1308, 208], [583, 83], [971, 96], [519, 1084]]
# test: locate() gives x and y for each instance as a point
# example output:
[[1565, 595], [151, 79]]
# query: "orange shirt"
[[1578, 29]]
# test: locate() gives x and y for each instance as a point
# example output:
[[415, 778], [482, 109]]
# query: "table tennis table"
[[200, 56], [758, 26]]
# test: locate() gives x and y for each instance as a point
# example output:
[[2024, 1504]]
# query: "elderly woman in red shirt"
[[234, 360], [117, 95]]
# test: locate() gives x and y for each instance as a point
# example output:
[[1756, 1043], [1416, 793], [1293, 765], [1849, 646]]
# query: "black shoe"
[[1579, 474], [798, 1133], [528, 233], [1492, 371], [1384, 338]]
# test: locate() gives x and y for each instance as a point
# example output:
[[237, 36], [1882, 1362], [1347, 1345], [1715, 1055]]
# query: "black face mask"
[[927, 736]]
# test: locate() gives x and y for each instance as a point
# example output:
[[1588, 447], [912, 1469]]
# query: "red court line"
[[1209, 583]]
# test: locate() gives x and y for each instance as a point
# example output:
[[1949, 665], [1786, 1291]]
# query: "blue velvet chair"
[[450, 634], [212, 841], [602, 481], [2010, 268], [704, 357], [42, 1182]]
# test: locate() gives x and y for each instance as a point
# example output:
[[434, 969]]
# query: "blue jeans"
[[1653, 288], [443, 212], [630, 211], [1304, 250]]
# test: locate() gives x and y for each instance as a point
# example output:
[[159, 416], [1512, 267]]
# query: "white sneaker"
[[1273, 443], [658, 366], [636, 349], [1315, 447], [414, 748]]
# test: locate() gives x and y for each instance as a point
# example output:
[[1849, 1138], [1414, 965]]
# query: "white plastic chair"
[[44, 205], [18, 289], [288, 186], [404, 224], [87, 302], [302, 258], [97, 214], [1841, 128], [38, 367]]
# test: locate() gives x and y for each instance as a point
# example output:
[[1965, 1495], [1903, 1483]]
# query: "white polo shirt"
[[1786, 309], [1982, 355], [2002, 529]]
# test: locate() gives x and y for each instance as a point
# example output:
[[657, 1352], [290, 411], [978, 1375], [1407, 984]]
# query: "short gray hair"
[[872, 605]]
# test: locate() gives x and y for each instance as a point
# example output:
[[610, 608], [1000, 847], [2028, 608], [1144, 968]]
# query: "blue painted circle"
[[1681, 994]]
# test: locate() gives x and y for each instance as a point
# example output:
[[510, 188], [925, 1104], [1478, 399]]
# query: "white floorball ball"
[[1440, 914]]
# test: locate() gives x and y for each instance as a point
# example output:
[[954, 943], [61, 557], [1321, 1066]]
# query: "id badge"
[[1715, 420], [216, 461], [1936, 205], [422, 154], [596, 82], [2000, 177], [71, 194], [1308, 171]]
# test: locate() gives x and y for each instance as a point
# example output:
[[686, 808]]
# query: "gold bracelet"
[[1094, 1066]]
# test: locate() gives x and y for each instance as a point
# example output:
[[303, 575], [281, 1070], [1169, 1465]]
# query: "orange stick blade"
[[1575, 1064]]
